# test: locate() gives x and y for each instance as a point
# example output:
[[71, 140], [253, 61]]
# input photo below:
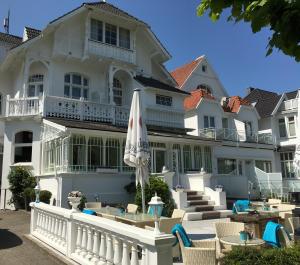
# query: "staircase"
[[200, 207]]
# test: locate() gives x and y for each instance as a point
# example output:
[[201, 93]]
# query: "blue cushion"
[[185, 239], [90, 212], [151, 210], [271, 234], [240, 206]]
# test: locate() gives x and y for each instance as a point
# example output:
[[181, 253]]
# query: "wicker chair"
[[202, 252], [178, 213], [93, 205], [132, 208], [226, 229], [294, 223]]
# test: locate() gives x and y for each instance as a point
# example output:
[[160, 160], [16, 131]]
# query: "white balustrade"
[[121, 115], [291, 104], [111, 51], [23, 106], [95, 240]]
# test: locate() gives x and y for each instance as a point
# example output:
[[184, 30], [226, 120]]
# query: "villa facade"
[[65, 99]]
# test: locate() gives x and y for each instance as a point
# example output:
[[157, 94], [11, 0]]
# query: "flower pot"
[[244, 236], [74, 201]]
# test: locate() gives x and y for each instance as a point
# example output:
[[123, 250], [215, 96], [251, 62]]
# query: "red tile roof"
[[193, 100], [182, 73], [234, 104]]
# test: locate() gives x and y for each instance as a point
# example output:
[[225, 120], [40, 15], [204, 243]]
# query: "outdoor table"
[[256, 222], [138, 220], [236, 241]]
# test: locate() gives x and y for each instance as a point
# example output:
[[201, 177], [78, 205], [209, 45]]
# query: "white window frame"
[[36, 80], [72, 85], [16, 145], [289, 124], [164, 100], [118, 91], [287, 166], [209, 118]]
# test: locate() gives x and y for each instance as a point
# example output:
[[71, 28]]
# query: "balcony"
[[68, 108], [236, 136], [111, 51], [289, 105]]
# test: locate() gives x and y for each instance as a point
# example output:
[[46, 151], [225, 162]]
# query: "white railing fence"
[[289, 104], [23, 106], [93, 240]]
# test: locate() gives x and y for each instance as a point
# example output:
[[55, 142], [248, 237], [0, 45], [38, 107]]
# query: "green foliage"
[[264, 256], [83, 200], [282, 17], [130, 188], [19, 179], [161, 188], [45, 196]]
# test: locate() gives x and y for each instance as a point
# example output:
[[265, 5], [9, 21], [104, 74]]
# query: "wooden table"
[[138, 220], [236, 241], [256, 222]]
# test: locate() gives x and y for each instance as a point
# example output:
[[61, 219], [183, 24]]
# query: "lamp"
[[37, 190], [156, 203]]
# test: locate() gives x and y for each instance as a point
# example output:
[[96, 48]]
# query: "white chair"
[[132, 208], [202, 252], [294, 223], [226, 229], [93, 205]]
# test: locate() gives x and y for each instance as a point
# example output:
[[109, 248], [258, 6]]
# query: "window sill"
[[23, 164]]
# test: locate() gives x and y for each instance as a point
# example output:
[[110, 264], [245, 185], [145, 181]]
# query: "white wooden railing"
[[23, 106], [291, 104], [93, 240], [111, 51], [163, 117]]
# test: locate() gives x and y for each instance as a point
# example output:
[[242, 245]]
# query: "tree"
[[281, 16]]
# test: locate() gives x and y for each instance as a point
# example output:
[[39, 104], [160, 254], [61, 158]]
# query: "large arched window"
[[23, 146], [205, 88], [76, 86], [118, 92], [35, 85]]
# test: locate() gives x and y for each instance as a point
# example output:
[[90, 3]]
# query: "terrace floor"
[[16, 248]]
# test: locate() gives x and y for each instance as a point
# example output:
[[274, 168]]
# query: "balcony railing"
[[68, 108], [291, 104], [236, 136], [111, 51]]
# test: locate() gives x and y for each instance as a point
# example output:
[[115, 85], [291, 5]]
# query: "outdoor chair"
[[240, 206], [200, 252], [132, 208], [294, 223], [178, 213], [93, 205], [275, 235], [226, 229]]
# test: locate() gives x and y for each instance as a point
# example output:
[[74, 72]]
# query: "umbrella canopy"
[[137, 152], [297, 152]]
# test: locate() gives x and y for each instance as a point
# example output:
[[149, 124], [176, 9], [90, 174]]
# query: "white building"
[[279, 116], [66, 93]]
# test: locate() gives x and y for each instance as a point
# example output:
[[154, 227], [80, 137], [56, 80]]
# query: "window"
[[207, 159], [35, 85], [23, 146], [163, 100], [118, 92], [248, 128], [198, 157], [287, 168], [158, 156], [225, 123], [112, 153], [77, 152], [110, 34], [204, 67], [227, 166], [187, 158], [291, 126], [96, 30], [124, 38], [264, 165], [209, 122], [76, 86], [282, 127], [95, 155], [205, 88]]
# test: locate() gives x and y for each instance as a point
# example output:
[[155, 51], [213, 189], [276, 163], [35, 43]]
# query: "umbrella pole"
[[143, 198]]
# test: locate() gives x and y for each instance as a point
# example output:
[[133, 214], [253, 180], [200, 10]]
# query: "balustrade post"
[[109, 250], [89, 244], [117, 251], [83, 252], [34, 213], [102, 251], [134, 256], [70, 234], [78, 241], [95, 258], [125, 254]]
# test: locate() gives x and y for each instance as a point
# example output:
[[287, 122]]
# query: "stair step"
[[204, 208], [191, 192], [211, 215], [194, 197], [215, 214], [197, 202]]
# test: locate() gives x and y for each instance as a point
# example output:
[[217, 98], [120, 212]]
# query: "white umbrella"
[[137, 152], [297, 152]]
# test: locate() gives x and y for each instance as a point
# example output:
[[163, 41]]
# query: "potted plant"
[[74, 198], [219, 188]]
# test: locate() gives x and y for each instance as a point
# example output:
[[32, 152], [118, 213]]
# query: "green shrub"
[[263, 256], [19, 179], [45, 196], [161, 188], [83, 200]]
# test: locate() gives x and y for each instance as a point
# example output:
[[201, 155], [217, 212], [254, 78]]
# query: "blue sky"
[[237, 55]]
